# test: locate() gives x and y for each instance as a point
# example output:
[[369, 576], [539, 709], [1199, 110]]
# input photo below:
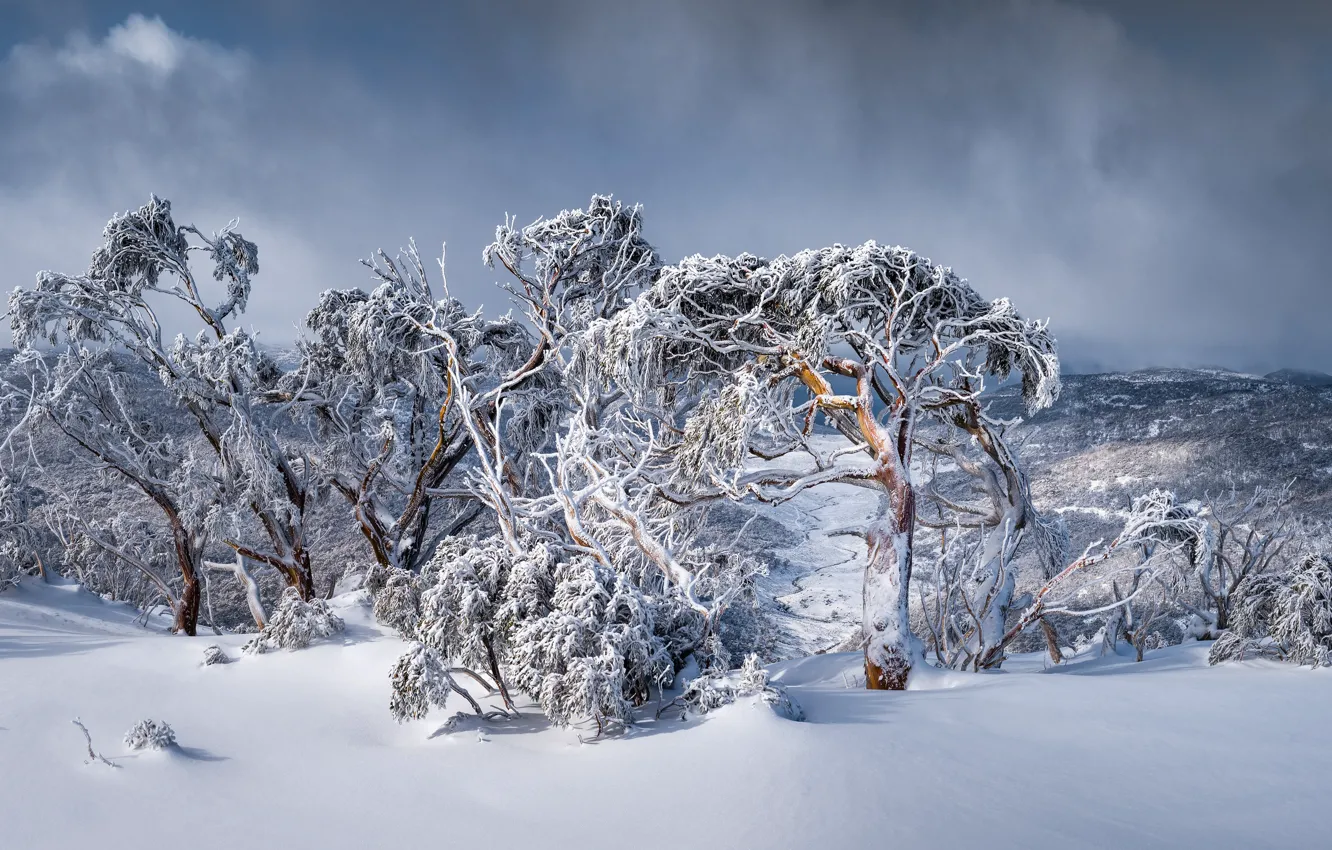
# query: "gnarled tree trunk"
[[889, 647]]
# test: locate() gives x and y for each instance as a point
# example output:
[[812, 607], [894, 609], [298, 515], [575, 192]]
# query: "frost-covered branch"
[[753, 347]]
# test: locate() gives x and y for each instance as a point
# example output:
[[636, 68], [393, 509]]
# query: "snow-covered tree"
[[968, 594], [763, 341], [1282, 615], [143, 267], [1179, 537], [569, 271], [85, 396], [405, 384], [1157, 532], [1251, 536], [377, 390]]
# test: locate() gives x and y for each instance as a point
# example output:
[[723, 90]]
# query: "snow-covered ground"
[[817, 580], [298, 750]]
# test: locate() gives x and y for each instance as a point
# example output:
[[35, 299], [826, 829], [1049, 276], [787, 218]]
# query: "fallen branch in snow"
[[93, 755]]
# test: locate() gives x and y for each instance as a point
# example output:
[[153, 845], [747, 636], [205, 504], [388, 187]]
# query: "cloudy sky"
[[1155, 178]]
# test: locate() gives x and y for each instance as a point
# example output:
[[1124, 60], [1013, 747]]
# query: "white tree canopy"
[[761, 342]]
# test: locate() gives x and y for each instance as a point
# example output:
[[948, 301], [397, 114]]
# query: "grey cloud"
[[1161, 195]]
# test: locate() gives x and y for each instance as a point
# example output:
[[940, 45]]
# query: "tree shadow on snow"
[[531, 720], [198, 754], [1165, 660], [354, 633], [175, 750], [42, 647]]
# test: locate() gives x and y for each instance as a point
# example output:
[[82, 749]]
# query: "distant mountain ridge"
[[1196, 432], [1301, 377]]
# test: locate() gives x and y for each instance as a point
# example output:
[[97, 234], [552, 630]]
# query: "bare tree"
[[1155, 531]]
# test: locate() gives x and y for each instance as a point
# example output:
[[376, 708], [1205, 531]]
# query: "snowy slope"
[[1108, 439], [298, 750]]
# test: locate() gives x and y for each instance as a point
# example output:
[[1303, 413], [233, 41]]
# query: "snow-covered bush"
[[420, 681], [584, 641], [602, 647], [481, 593], [150, 735], [1286, 616], [398, 601], [714, 690], [295, 624], [214, 655]]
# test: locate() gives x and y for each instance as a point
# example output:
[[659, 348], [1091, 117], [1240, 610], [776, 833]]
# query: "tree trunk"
[[187, 609], [889, 649], [999, 586], [302, 577]]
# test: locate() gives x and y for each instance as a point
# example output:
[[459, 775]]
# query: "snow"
[[821, 592], [298, 750]]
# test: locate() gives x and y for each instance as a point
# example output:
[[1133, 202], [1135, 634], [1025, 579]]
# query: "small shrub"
[[398, 602], [714, 690], [214, 655], [150, 735], [295, 625]]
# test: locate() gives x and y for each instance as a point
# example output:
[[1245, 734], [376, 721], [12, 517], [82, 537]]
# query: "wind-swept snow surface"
[[298, 750]]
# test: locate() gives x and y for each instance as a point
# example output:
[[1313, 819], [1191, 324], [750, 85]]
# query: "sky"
[[1156, 179]]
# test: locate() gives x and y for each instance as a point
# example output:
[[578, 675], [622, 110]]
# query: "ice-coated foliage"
[[398, 601], [420, 681], [603, 646], [295, 624], [18, 544], [481, 592], [576, 267], [714, 690], [1286, 616], [582, 640], [215, 655], [150, 735]]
